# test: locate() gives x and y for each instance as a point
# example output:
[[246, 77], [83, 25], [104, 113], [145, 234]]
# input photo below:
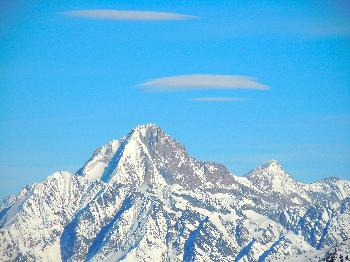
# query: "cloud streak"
[[203, 81], [110, 14], [217, 99]]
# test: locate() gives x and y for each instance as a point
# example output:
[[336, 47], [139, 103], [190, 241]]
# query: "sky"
[[236, 82]]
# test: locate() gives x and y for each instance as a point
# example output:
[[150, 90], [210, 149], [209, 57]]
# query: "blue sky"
[[73, 77]]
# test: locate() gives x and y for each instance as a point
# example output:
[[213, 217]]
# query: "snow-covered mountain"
[[143, 198]]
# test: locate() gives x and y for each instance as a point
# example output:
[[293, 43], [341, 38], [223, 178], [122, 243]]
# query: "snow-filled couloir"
[[143, 198]]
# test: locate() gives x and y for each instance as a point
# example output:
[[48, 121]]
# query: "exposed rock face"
[[143, 198]]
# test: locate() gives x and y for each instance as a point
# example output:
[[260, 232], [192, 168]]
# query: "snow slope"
[[143, 198]]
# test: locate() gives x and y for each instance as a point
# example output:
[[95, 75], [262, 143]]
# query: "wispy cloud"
[[110, 14], [203, 81], [311, 28], [217, 99]]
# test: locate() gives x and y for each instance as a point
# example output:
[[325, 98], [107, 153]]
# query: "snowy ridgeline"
[[143, 198]]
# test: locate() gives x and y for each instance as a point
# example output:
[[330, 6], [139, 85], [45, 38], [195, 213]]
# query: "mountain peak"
[[146, 128], [273, 170], [143, 195], [271, 177], [146, 133], [272, 165], [146, 155]]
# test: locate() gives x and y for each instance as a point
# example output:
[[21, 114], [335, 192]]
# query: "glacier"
[[144, 198]]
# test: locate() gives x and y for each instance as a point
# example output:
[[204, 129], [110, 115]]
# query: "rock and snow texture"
[[143, 198], [340, 252]]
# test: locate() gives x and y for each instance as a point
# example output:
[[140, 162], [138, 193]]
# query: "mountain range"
[[143, 198]]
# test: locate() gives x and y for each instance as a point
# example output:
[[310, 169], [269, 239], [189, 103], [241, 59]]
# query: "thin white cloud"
[[217, 99], [203, 81], [110, 14]]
